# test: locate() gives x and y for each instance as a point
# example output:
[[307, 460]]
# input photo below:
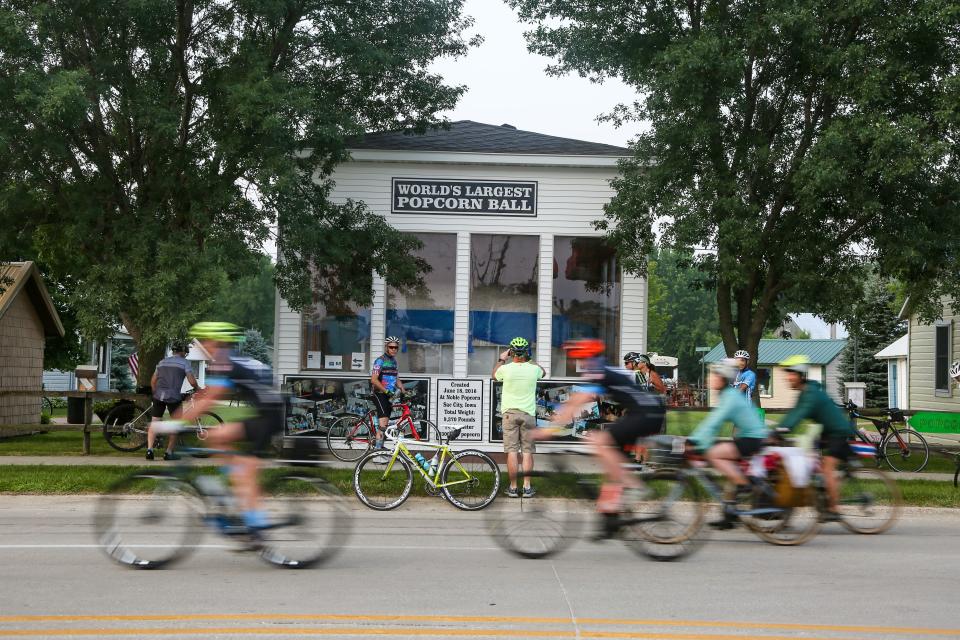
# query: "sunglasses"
[[393, 346]]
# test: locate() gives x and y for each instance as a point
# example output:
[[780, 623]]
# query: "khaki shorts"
[[518, 431]]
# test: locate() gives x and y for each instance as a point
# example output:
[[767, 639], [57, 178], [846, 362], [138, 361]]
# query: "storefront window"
[[336, 338], [586, 297], [423, 319], [503, 296]]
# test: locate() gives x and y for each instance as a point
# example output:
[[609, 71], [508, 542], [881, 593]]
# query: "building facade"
[[506, 219], [931, 349]]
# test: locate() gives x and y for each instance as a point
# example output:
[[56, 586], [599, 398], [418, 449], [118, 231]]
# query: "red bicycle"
[[350, 437]]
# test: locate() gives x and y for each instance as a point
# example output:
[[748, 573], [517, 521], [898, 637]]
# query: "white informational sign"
[[314, 359], [358, 361], [460, 405], [333, 362]]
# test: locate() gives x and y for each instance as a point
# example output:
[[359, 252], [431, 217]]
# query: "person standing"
[[385, 380], [167, 384], [647, 376], [746, 380], [518, 408]]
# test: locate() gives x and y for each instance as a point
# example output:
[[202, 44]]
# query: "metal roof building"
[[773, 351]]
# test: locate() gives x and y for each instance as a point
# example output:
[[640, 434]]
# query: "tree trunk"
[[147, 361]]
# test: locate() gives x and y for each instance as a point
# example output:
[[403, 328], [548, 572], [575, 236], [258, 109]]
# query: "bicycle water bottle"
[[422, 462], [433, 464]]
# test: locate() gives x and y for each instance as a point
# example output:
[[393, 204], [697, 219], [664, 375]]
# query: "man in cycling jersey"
[[167, 383], [251, 381], [814, 403], [746, 380], [643, 416], [385, 381], [749, 434]]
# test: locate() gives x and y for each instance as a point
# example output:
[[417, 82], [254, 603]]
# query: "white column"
[[378, 317], [461, 314], [545, 304], [633, 314]]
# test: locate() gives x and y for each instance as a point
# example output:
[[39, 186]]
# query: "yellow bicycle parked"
[[468, 479]]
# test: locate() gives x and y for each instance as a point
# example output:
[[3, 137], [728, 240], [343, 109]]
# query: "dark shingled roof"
[[466, 136]]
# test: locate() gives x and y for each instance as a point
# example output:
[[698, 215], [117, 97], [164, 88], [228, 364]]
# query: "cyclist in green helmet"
[[518, 408]]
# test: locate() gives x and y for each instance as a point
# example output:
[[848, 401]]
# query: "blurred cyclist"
[[749, 434], [746, 379], [251, 381], [814, 403], [643, 415], [385, 380]]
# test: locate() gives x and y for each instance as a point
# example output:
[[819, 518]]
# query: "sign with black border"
[[444, 196], [460, 405]]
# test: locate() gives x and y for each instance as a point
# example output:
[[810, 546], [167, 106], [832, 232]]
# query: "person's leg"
[[831, 482], [156, 415], [511, 446], [604, 448], [724, 457], [176, 410], [527, 447]]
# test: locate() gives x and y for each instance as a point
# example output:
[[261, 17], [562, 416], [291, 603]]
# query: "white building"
[[506, 218], [898, 389]]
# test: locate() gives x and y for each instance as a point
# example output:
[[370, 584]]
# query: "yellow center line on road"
[[712, 624]]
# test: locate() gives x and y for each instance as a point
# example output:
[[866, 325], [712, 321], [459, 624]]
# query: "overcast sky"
[[508, 85]]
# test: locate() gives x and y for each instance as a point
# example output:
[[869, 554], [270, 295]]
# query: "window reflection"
[[586, 297], [503, 296], [333, 333]]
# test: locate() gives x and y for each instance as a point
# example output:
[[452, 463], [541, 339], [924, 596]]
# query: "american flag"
[[134, 363]]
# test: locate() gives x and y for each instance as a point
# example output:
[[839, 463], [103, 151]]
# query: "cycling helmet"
[[741, 354], [179, 346], [955, 369], [797, 364], [726, 369], [631, 356], [586, 348], [219, 331], [519, 343], [391, 340], [643, 358]]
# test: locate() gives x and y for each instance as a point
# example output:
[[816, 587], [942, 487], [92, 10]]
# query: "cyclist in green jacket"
[[815, 404]]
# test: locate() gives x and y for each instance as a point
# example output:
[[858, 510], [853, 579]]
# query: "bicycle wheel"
[[537, 528], [785, 526], [148, 520], [46, 406], [665, 518], [381, 484], [125, 428], [310, 521], [912, 456], [870, 501], [470, 480], [349, 438]]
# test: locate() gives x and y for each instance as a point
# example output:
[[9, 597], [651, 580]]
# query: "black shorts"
[[260, 429], [836, 447], [382, 402], [632, 426], [748, 446], [159, 406]]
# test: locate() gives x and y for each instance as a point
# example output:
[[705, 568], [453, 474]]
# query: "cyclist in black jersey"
[[252, 382]]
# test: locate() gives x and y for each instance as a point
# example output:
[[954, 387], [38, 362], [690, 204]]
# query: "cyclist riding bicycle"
[[385, 380], [643, 416], [749, 434], [252, 382], [814, 403]]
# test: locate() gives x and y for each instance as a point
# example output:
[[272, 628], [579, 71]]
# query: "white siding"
[[633, 315], [832, 381], [545, 304], [921, 378], [58, 380], [461, 315]]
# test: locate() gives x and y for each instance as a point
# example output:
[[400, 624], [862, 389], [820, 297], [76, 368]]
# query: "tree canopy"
[[799, 140], [152, 147]]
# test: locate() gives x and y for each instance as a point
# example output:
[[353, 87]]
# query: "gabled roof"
[[774, 351], [24, 277], [899, 348], [467, 136]]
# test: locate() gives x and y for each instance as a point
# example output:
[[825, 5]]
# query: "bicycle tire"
[[46, 406], [914, 459], [151, 532], [477, 477], [350, 438], [956, 476], [790, 526], [665, 521], [382, 486], [862, 491], [428, 432], [316, 523], [125, 429]]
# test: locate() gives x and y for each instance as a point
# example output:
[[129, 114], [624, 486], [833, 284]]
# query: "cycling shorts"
[[260, 429], [159, 406], [383, 404], [748, 446], [632, 426], [836, 447]]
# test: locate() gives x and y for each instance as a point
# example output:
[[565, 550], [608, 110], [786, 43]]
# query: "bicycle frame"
[[405, 420], [444, 449]]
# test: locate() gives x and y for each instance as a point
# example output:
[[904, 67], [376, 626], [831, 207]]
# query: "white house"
[[898, 385], [506, 219]]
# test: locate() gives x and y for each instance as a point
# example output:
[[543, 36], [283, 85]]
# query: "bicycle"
[[309, 519], [351, 437], [902, 449], [125, 429], [660, 521], [469, 479]]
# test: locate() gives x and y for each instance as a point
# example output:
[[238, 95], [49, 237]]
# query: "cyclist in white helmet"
[[746, 380]]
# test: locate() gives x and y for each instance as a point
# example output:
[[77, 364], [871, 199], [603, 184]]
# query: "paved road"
[[429, 570]]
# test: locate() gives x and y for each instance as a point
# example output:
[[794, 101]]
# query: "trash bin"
[[74, 410], [86, 375]]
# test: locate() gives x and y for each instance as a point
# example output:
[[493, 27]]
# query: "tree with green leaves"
[[255, 346], [798, 140], [873, 326], [249, 301], [151, 148]]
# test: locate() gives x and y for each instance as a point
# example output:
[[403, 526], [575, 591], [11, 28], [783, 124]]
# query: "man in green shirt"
[[518, 408], [815, 404]]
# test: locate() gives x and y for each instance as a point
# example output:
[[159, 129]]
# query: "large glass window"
[[586, 297], [503, 296], [423, 319], [336, 337]]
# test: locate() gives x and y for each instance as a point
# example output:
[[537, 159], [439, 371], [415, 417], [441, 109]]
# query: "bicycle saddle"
[[452, 435]]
